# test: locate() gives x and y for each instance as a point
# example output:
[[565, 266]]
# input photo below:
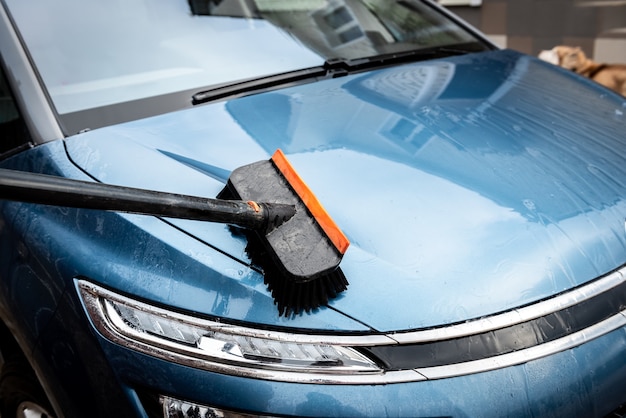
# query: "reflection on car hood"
[[467, 186]]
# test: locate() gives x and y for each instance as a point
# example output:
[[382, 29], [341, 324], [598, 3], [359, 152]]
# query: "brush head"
[[290, 296], [300, 257]]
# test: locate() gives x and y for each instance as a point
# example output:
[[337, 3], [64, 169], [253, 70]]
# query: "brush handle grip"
[[59, 191]]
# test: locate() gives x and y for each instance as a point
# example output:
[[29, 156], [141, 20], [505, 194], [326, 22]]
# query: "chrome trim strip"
[[515, 316], [189, 356]]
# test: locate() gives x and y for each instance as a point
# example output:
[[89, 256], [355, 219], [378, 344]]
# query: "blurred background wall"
[[597, 26]]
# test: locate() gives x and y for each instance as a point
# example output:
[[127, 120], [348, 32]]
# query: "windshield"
[[94, 54]]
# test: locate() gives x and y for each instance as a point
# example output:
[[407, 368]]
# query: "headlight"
[[225, 348], [176, 408]]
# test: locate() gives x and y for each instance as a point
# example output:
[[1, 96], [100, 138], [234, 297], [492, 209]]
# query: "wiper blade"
[[412, 55], [332, 68], [259, 84]]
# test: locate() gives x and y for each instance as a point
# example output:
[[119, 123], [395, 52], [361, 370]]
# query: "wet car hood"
[[467, 186]]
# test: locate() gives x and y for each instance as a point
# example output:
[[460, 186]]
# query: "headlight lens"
[[175, 408], [135, 321], [217, 346]]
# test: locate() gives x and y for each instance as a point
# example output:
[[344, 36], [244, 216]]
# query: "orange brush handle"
[[332, 231]]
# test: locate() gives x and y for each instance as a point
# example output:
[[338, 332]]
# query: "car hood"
[[467, 186]]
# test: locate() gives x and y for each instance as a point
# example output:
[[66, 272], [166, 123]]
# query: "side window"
[[13, 131]]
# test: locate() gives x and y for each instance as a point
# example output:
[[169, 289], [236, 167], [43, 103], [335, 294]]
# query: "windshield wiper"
[[414, 55], [332, 68]]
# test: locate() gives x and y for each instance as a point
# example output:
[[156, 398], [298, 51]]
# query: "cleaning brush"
[[306, 249]]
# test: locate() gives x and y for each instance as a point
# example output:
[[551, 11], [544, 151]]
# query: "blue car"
[[473, 201]]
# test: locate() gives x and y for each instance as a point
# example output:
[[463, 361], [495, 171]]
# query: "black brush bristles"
[[292, 297]]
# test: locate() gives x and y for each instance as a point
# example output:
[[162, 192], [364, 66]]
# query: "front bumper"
[[584, 381], [89, 370]]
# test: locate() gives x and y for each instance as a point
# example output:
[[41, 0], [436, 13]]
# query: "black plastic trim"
[[504, 340]]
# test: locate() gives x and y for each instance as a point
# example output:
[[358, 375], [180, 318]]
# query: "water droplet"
[[530, 205]]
